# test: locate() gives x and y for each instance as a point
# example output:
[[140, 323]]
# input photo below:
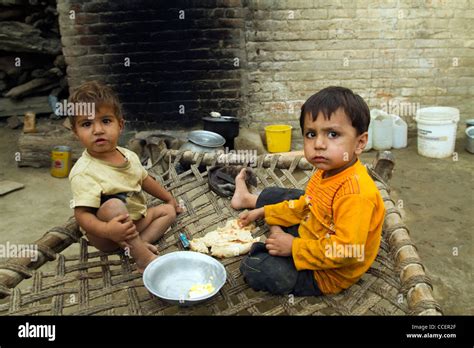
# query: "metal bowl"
[[172, 275], [206, 138]]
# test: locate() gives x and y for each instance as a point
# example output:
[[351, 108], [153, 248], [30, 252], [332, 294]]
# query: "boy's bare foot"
[[141, 265], [152, 248], [242, 198]]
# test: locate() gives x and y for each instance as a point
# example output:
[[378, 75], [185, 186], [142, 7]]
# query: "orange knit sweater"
[[341, 220]]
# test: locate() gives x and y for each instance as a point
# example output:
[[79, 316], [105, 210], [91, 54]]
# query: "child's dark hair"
[[329, 99], [98, 93]]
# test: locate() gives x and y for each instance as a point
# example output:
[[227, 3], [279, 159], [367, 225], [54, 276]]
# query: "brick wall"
[[169, 63], [395, 54], [399, 55]]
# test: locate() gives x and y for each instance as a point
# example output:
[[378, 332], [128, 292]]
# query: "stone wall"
[[259, 60]]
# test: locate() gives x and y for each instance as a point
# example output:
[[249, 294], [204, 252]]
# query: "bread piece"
[[231, 249], [228, 241], [197, 244]]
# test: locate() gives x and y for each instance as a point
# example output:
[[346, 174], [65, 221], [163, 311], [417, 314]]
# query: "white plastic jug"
[[370, 141], [382, 132], [400, 130]]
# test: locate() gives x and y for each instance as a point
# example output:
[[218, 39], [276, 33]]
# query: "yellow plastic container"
[[61, 161], [278, 137]]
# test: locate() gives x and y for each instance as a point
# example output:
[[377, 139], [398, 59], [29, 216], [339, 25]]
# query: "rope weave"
[[92, 282]]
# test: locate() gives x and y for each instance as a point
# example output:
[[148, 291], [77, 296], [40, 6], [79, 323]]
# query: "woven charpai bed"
[[90, 282]]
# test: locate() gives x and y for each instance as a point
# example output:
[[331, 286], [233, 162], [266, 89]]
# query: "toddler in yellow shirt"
[[323, 239], [107, 181]]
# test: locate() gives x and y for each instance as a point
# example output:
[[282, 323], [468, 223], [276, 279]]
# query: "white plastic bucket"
[[382, 132], [400, 130], [437, 131]]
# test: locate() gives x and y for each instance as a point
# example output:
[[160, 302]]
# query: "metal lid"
[[206, 138], [221, 119]]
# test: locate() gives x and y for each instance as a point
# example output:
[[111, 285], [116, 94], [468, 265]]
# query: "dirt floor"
[[437, 197]]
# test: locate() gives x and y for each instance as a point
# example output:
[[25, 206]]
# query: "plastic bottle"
[[370, 141], [400, 130], [382, 131]]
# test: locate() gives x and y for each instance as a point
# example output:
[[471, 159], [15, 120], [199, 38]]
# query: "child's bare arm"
[[117, 229], [151, 186]]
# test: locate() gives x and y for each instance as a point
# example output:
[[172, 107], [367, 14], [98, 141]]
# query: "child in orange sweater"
[[324, 239]]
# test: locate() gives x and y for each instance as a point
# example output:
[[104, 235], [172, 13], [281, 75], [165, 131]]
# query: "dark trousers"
[[277, 274]]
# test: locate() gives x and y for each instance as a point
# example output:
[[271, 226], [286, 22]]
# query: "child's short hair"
[[329, 99], [98, 93]]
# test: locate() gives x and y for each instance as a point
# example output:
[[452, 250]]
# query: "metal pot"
[[203, 141], [470, 139], [227, 126]]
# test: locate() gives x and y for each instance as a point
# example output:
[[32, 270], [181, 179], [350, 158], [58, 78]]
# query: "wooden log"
[[28, 88], [384, 163], [38, 73], [53, 73], [48, 87], [53, 239], [60, 62], [291, 153], [12, 107], [35, 148], [34, 17], [14, 122], [11, 13], [21, 37], [28, 61], [419, 294], [13, 2], [283, 162]]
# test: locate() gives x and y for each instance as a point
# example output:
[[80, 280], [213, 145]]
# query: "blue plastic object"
[[184, 240]]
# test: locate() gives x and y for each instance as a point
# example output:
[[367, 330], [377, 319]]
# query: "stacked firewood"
[[32, 67]]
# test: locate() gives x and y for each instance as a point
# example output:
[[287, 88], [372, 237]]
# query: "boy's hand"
[[279, 242], [248, 217], [176, 206], [120, 229]]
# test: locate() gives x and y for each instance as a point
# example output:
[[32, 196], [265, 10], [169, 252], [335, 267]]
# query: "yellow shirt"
[[341, 220], [90, 178]]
